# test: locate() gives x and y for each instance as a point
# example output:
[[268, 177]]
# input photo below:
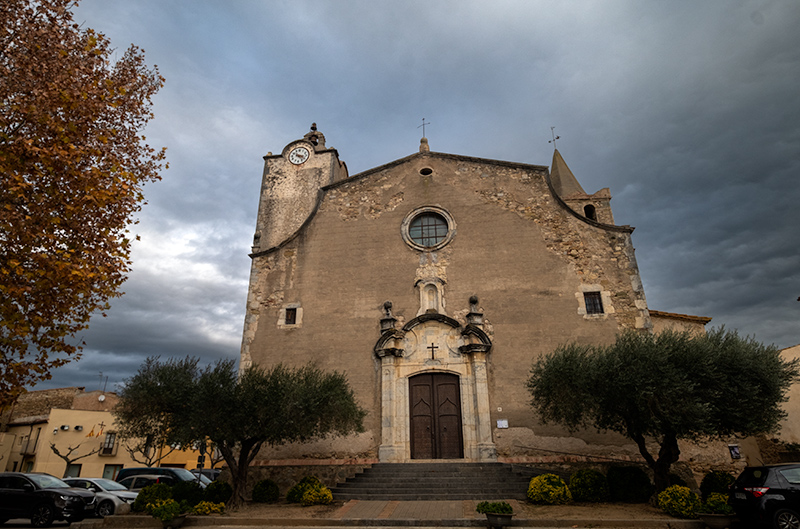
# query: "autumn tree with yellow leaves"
[[73, 164]]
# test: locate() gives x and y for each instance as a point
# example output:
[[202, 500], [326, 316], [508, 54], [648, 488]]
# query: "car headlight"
[[67, 498]]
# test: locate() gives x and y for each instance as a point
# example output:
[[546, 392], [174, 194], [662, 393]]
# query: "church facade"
[[434, 282]]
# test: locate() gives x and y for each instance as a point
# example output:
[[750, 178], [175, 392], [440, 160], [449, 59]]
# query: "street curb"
[[126, 522]]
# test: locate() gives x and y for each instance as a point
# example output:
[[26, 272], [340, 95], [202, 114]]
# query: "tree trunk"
[[239, 468], [667, 455]]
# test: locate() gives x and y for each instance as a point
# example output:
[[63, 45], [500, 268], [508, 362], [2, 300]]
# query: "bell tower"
[[291, 188]]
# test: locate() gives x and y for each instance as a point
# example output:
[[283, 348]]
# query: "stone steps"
[[436, 481]]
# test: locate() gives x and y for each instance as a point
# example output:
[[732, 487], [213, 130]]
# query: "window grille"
[[594, 302]]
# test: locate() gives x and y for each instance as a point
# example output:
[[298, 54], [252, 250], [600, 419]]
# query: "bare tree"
[[68, 459]]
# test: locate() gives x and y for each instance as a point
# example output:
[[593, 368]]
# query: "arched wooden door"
[[435, 407]]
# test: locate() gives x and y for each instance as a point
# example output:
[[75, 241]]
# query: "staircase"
[[436, 481]]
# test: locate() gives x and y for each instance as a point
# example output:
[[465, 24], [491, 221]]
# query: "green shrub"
[[549, 489], [679, 502], [715, 481], [317, 494], [588, 485], [717, 503], [266, 491], [165, 510], [295, 494], [151, 493], [494, 507], [218, 492], [205, 508], [629, 484], [189, 492]]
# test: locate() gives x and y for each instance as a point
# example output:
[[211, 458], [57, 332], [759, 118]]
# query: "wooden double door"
[[435, 405]]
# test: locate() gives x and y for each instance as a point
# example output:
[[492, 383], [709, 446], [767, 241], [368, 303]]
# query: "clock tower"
[[291, 188]]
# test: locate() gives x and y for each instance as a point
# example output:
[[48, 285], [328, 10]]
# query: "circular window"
[[428, 228]]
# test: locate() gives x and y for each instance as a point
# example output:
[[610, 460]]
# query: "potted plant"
[[498, 513], [170, 512], [715, 511]]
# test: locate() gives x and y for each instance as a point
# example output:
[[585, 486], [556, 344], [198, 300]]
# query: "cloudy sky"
[[689, 111]]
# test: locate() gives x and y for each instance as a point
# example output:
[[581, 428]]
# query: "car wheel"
[[786, 519], [106, 508], [42, 515]]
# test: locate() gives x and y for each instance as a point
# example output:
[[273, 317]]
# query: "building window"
[[590, 212], [73, 470], [111, 471], [428, 228], [290, 316], [108, 444], [594, 302]]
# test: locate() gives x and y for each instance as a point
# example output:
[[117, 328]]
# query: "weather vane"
[[423, 126], [553, 141]]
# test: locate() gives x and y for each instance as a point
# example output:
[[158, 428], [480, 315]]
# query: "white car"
[[111, 496]]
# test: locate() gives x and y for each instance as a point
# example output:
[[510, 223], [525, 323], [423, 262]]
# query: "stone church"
[[434, 281]]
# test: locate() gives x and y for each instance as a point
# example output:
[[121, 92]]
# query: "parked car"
[[111, 496], [211, 473], [138, 482], [177, 474], [768, 495], [42, 498]]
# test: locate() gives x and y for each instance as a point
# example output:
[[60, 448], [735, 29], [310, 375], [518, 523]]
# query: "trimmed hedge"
[[679, 502], [189, 492], [295, 494], [588, 485], [218, 491], [150, 494], [549, 489], [266, 491], [715, 481]]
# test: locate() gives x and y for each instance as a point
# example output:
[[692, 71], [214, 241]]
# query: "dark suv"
[[768, 495], [42, 498], [178, 474]]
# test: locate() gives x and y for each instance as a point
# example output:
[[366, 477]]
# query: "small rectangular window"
[[291, 317], [594, 302], [111, 471], [108, 444], [73, 470]]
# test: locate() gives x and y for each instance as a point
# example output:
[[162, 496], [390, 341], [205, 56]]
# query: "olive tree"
[[664, 387], [239, 412]]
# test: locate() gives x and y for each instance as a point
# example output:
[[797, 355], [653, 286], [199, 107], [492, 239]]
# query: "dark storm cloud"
[[687, 111]]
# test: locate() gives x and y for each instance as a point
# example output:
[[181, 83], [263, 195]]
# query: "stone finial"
[[423, 145], [475, 316], [388, 321]]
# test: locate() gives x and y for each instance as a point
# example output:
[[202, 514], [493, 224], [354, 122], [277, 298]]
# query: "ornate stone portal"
[[434, 344]]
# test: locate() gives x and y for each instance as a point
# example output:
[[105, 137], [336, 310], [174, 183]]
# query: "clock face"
[[298, 155]]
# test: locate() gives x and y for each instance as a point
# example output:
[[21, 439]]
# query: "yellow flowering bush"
[[207, 507], [679, 502], [549, 489], [317, 495], [165, 510]]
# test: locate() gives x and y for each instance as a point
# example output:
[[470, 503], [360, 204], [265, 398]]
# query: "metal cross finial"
[[433, 349], [553, 141], [423, 126]]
